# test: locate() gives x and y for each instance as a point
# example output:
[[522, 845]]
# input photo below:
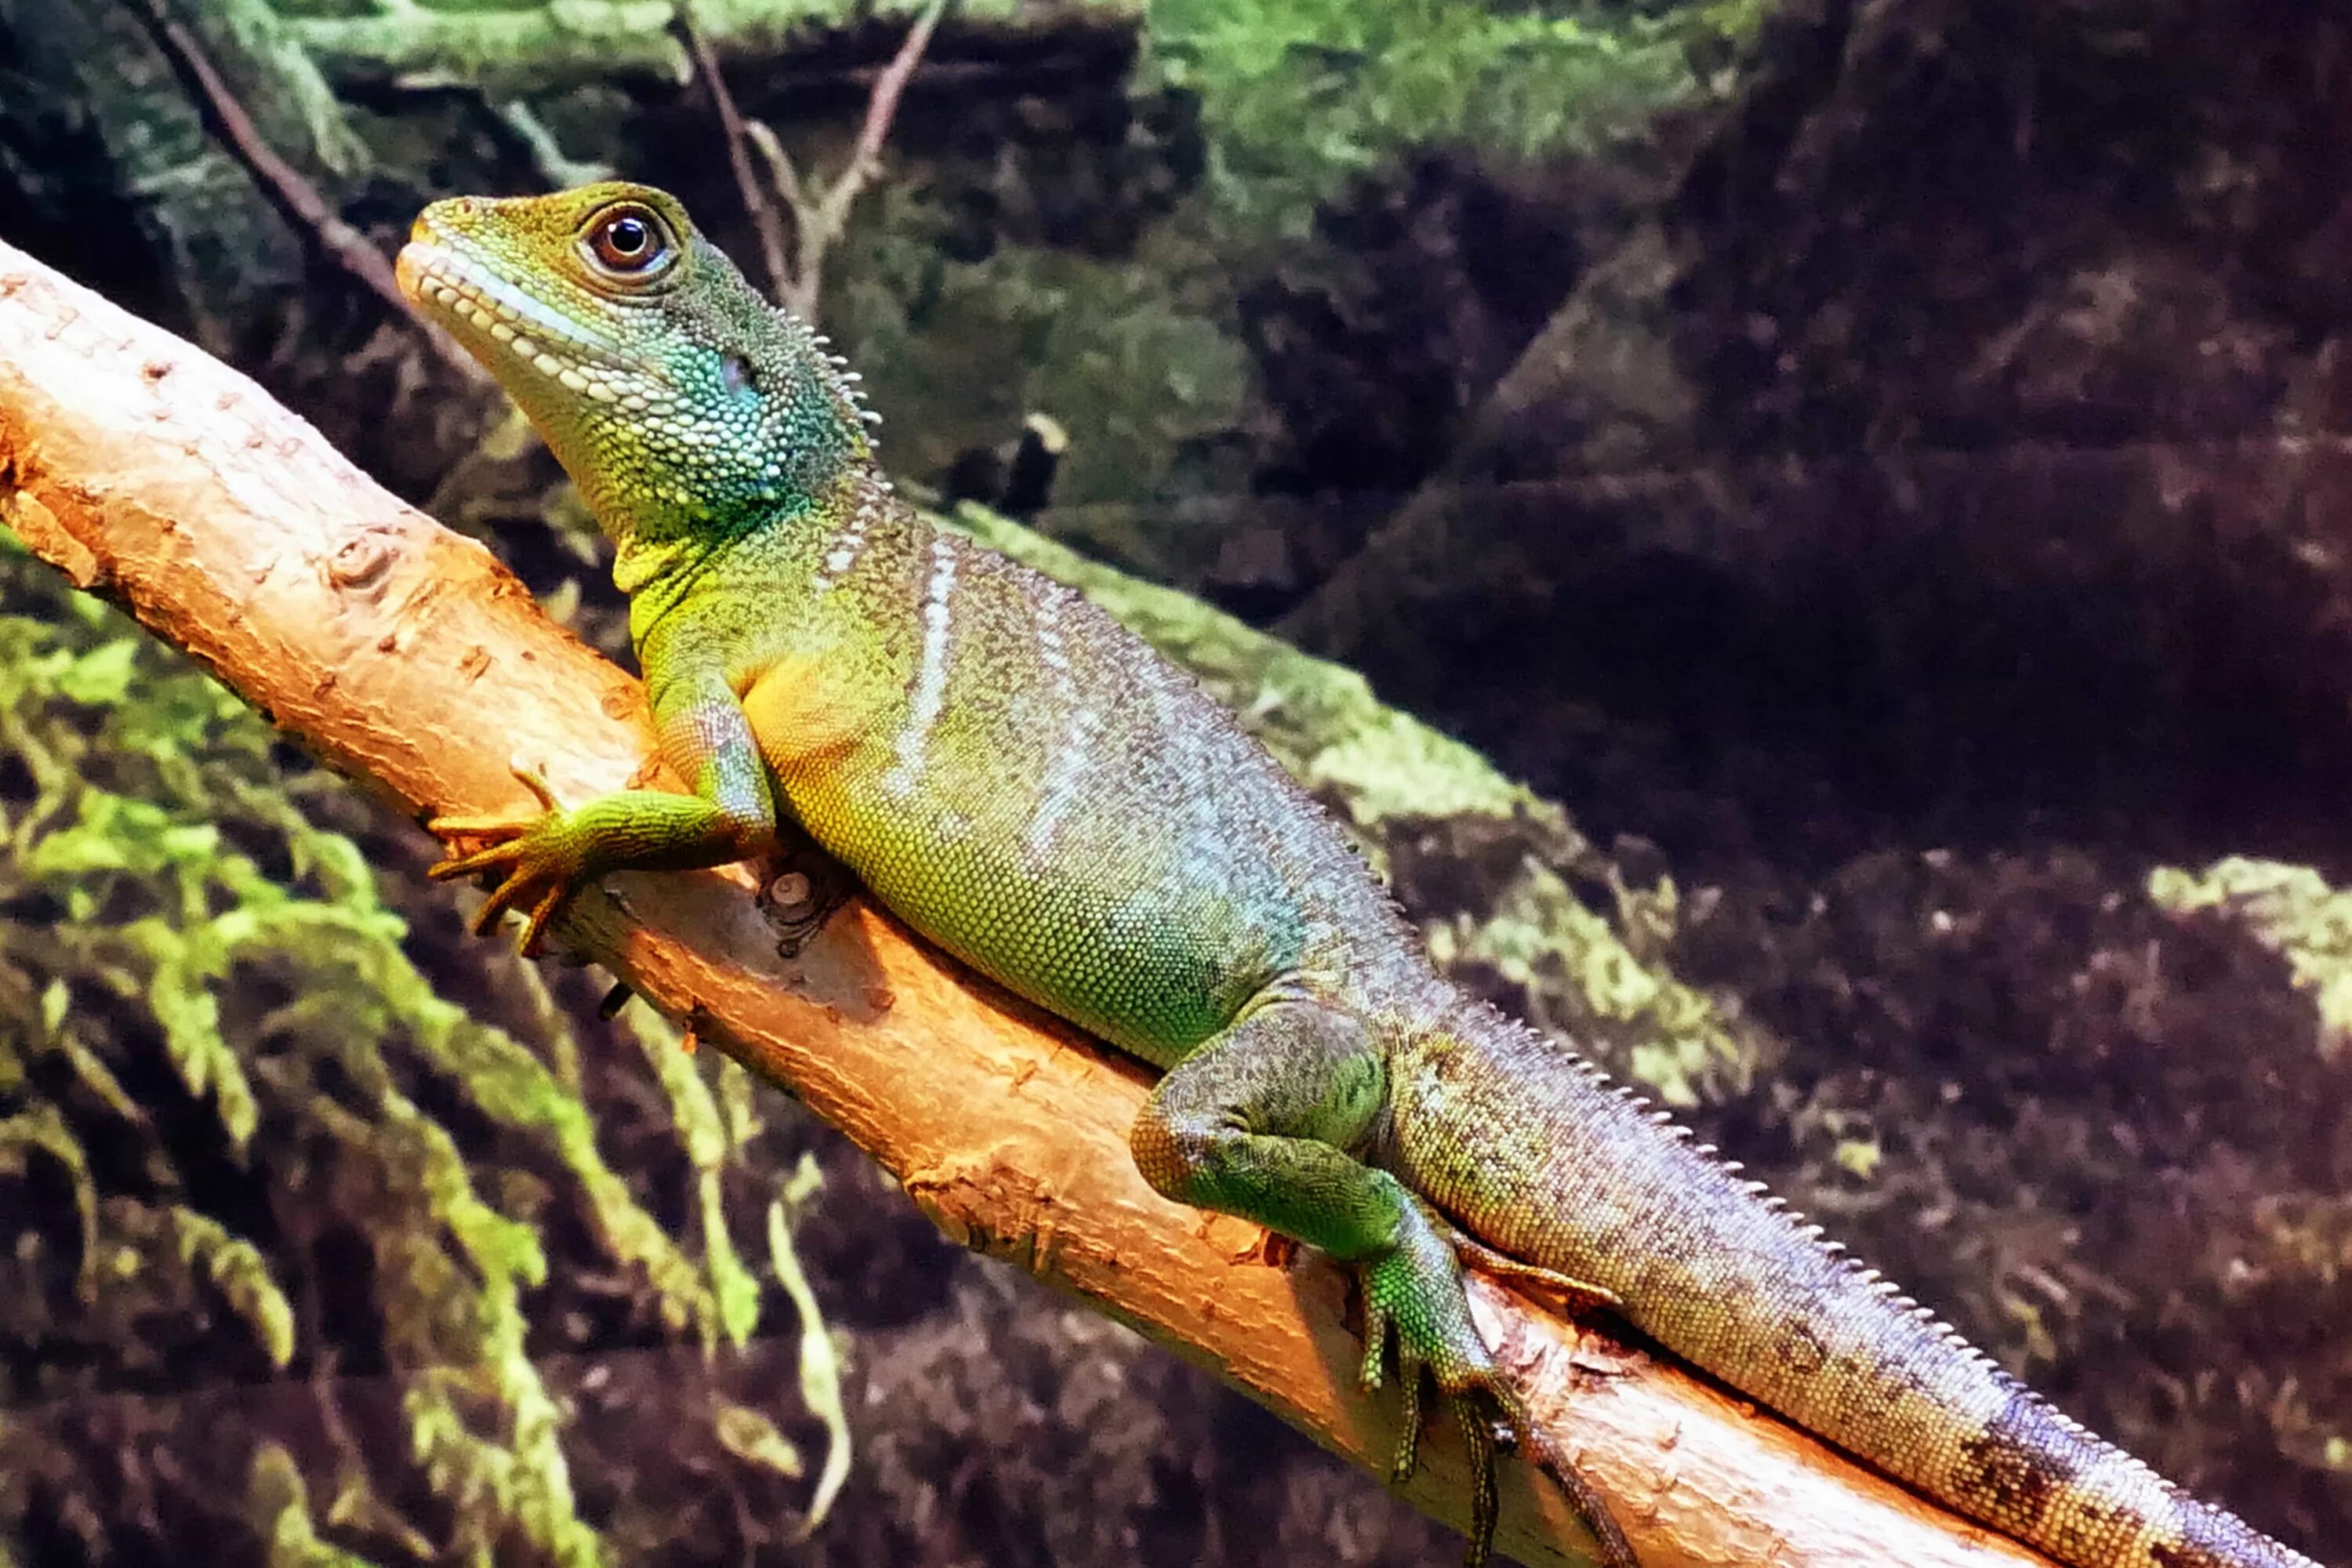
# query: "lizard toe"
[[534, 931], [1377, 1328], [1408, 1448], [1485, 1498], [1572, 1294], [491, 858]]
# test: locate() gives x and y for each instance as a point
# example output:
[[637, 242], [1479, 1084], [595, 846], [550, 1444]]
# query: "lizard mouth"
[[518, 326]]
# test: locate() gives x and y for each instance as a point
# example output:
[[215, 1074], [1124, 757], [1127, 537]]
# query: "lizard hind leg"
[[1259, 1122]]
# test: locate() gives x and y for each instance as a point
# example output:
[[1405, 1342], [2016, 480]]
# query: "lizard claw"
[[536, 858], [1413, 1300], [502, 826]]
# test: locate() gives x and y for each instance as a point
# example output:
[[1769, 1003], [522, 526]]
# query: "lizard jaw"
[[511, 329]]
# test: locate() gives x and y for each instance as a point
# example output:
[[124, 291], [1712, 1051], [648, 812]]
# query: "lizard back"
[[1032, 786]]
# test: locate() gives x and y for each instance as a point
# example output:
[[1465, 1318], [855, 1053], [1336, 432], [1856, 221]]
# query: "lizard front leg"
[[543, 856], [1258, 1123]]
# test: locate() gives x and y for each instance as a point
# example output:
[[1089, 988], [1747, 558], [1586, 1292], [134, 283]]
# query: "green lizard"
[[1034, 789]]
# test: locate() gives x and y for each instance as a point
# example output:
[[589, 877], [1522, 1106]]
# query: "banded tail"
[[1561, 1168]]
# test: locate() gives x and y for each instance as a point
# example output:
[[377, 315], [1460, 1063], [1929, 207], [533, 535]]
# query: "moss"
[[241, 1273], [820, 1359], [41, 1130], [525, 45], [228, 1094], [2292, 910], [733, 1294], [280, 1507], [1301, 94]]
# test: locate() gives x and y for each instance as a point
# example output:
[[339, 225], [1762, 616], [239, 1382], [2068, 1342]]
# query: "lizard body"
[[1033, 788]]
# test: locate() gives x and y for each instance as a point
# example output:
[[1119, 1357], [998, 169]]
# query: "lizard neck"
[[781, 545], [663, 523]]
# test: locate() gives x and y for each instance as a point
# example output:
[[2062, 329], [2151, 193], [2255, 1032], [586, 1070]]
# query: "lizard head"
[[684, 406]]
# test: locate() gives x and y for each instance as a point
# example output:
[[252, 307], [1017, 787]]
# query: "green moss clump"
[[1302, 94], [245, 1140], [2290, 909]]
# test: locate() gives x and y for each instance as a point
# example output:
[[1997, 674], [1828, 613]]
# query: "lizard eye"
[[629, 240]]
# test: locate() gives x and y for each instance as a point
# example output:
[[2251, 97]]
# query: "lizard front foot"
[[1413, 1298], [542, 859]]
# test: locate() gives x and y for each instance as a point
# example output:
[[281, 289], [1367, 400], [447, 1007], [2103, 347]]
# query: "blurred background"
[[1846, 508]]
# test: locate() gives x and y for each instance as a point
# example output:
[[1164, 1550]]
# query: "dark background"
[[1880, 468]]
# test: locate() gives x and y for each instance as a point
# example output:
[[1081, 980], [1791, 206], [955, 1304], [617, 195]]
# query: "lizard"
[[1034, 790]]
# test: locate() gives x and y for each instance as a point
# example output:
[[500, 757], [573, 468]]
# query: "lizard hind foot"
[[1413, 1300], [1571, 1294]]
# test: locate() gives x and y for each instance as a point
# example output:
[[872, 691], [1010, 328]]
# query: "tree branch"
[[406, 656]]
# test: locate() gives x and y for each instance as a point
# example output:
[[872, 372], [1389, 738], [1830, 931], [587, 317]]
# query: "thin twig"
[[821, 213], [295, 197], [883, 107], [798, 294], [780, 163], [762, 213]]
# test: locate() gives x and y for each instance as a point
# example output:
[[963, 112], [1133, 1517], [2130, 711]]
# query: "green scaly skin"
[[1034, 790]]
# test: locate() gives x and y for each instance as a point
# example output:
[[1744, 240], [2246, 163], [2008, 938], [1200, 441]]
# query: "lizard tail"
[[1563, 1169]]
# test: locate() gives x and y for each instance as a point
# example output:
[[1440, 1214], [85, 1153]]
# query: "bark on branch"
[[408, 657]]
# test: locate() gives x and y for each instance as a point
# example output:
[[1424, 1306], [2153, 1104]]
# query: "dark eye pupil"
[[628, 242]]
